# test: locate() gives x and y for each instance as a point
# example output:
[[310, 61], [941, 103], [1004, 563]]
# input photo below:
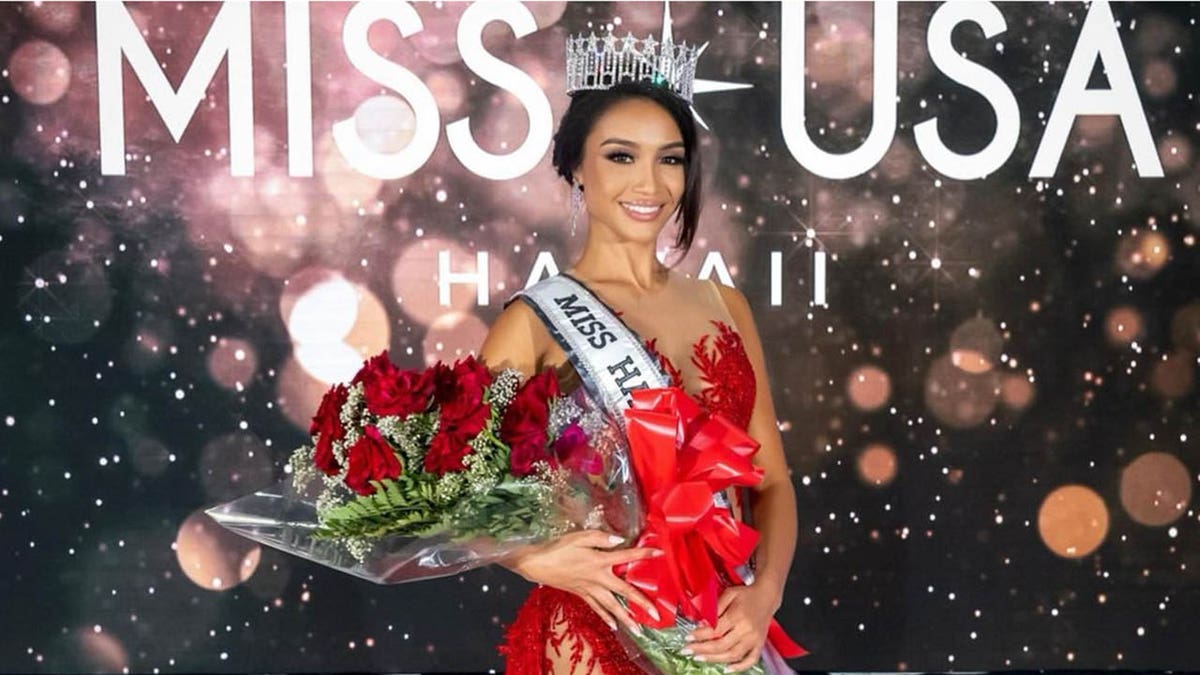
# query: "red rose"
[[573, 451], [446, 453], [463, 413], [370, 458], [523, 427], [328, 424], [467, 376], [391, 391]]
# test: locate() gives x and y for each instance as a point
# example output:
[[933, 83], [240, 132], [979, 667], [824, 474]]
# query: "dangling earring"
[[576, 204]]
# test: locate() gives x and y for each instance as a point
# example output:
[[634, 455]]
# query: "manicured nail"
[[686, 651], [657, 552], [635, 629], [700, 658], [654, 613], [689, 638], [614, 539]]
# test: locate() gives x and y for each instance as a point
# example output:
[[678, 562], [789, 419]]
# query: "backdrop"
[[966, 231]]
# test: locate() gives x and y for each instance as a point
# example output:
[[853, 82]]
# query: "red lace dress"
[[729, 389]]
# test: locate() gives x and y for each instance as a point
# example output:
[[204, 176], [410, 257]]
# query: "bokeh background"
[[992, 425]]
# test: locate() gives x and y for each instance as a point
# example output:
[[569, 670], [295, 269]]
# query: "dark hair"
[[587, 106]]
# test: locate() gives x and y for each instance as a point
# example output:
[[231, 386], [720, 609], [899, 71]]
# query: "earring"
[[576, 204]]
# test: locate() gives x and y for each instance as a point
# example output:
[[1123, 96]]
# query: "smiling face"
[[632, 171]]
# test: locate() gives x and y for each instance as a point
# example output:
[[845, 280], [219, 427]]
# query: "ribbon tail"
[[786, 646]]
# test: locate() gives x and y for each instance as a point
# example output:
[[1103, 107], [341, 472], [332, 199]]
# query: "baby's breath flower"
[[503, 388], [562, 412], [358, 547], [449, 487], [301, 463]]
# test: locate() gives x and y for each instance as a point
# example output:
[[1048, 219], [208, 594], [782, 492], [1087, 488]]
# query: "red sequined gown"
[[538, 629]]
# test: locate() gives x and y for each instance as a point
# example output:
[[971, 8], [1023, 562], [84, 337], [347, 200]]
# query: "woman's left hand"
[[743, 616]]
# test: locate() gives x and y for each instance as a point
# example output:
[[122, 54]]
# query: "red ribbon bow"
[[682, 455]]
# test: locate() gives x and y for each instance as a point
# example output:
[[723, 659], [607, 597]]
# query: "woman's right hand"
[[582, 563]]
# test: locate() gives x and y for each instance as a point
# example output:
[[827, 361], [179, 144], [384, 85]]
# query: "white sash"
[[608, 356]]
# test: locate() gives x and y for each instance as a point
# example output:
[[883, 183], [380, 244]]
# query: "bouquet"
[[417, 474]]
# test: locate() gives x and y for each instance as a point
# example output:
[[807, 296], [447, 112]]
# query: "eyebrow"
[[631, 144]]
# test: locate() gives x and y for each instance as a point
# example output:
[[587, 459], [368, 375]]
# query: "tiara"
[[599, 63]]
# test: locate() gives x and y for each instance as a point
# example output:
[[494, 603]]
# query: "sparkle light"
[[386, 124], [976, 345], [1123, 325], [453, 336], [958, 398], [1155, 489], [1142, 253], [211, 556], [877, 464], [1185, 328], [334, 323], [1174, 375], [232, 362], [1016, 391], [869, 388], [39, 71], [99, 651], [60, 18], [1073, 521]]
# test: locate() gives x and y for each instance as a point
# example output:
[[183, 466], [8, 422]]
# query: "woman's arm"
[[512, 342], [746, 611], [774, 506]]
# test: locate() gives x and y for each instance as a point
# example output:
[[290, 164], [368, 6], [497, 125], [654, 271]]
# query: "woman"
[[632, 149]]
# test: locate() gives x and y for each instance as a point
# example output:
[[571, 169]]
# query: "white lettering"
[[509, 78], [792, 95], [479, 277], [975, 77], [714, 261], [543, 266], [299, 88], [1097, 38], [387, 165], [117, 35]]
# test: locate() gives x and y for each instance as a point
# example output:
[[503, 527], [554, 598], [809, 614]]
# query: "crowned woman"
[[628, 148]]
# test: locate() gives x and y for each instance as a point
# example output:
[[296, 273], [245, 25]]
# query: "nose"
[[646, 179]]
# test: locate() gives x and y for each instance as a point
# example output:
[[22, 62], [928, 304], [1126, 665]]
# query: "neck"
[[629, 263]]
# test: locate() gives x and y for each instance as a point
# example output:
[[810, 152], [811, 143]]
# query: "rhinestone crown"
[[600, 62]]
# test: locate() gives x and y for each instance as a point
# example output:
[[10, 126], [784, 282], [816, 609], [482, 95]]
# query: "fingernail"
[[689, 638], [654, 613], [686, 651], [635, 629], [700, 658], [614, 539], [657, 552]]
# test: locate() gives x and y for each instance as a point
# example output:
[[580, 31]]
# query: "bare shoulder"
[[516, 339], [736, 301]]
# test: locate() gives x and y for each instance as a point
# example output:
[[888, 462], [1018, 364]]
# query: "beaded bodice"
[[729, 385]]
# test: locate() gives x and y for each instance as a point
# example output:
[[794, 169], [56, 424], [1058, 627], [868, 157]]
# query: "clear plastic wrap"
[[588, 487]]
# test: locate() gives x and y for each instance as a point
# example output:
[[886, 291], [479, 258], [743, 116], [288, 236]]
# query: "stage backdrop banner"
[[967, 232]]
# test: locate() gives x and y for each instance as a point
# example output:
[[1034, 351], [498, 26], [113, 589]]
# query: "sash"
[[608, 356]]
